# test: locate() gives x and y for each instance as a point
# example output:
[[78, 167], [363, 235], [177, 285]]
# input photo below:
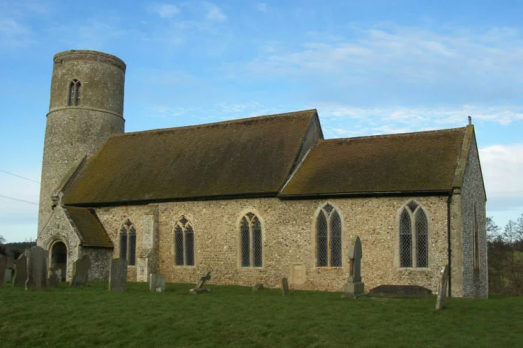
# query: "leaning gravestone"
[[443, 288], [36, 268], [81, 271], [20, 271], [118, 275], [3, 266], [354, 287], [157, 282], [284, 286], [199, 289]]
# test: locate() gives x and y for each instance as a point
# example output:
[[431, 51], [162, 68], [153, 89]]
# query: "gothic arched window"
[[128, 243], [183, 243], [75, 93], [328, 237], [413, 236], [251, 241]]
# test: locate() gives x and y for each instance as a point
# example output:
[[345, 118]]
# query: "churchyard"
[[234, 316]]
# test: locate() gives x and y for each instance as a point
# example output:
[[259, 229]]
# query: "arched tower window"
[[183, 243], [328, 237], [413, 236], [128, 242], [75, 93], [251, 241]]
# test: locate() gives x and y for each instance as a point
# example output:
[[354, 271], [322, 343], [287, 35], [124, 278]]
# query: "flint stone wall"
[[288, 234], [475, 282], [59, 228]]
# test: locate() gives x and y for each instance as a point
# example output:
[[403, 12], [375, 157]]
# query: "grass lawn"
[[235, 316]]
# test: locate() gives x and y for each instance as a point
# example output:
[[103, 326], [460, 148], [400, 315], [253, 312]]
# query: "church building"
[[256, 199]]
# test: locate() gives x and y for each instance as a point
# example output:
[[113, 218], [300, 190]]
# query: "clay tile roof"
[[411, 162], [92, 233], [252, 156]]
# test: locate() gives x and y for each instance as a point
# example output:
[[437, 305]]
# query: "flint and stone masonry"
[[109, 194]]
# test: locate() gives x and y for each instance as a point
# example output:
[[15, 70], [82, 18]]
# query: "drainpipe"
[[449, 249]]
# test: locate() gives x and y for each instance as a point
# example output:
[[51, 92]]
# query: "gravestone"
[[20, 271], [8, 276], [157, 282], [354, 287], [55, 274], [199, 289], [118, 275], [3, 267], [257, 287], [443, 288], [400, 291], [81, 271], [284, 286], [36, 268]]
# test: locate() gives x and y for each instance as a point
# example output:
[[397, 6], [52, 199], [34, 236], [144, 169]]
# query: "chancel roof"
[[89, 227], [246, 157], [422, 162]]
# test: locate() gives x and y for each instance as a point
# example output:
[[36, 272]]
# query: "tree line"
[[505, 257]]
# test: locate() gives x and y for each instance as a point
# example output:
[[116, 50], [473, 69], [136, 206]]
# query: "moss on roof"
[[252, 156], [411, 162], [91, 230]]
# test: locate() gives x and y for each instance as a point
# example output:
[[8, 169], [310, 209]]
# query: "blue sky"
[[369, 68]]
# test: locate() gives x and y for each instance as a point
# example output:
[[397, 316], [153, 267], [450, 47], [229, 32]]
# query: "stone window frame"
[[338, 211], [242, 214], [414, 235], [74, 93], [128, 230], [184, 229]]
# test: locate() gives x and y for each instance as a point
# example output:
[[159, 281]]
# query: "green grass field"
[[232, 316]]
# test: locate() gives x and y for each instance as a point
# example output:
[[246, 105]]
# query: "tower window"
[[75, 93]]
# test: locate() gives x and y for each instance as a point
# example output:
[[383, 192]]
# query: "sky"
[[368, 67]]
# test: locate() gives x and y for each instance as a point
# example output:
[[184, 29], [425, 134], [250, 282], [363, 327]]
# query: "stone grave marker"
[[257, 287], [157, 282], [118, 275], [3, 267], [400, 291], [36, 268], [55, 274], [20, 271], [81, 271], [284, 286], [354, 287], [199, 289], [8, 276], [443, 288]]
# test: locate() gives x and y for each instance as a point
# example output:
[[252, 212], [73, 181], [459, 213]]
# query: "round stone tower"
[[86, 106]]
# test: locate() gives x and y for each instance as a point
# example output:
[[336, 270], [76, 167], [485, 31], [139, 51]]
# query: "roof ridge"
[[219, 123], [419, 133]]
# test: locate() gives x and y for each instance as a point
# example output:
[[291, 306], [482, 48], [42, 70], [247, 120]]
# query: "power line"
[[16, 199], [19, 176]]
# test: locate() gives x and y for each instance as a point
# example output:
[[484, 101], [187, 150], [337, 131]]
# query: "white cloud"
[[214, 13], [502, 167], [164, 10]]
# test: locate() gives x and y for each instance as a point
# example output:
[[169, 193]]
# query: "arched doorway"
[[59, 258]]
